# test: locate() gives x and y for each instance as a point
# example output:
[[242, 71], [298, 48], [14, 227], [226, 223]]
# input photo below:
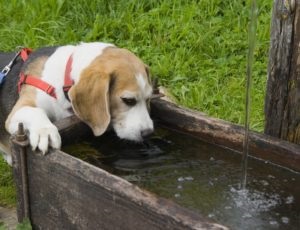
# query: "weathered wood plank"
[[282, 103], [72, 129], [226, 134], [67, 193], [291, 121]]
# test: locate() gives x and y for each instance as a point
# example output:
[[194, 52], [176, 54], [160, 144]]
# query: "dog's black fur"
[[8, 91], [9, 88]]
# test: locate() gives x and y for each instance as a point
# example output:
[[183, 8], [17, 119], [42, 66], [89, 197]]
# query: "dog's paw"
[[44, 137]]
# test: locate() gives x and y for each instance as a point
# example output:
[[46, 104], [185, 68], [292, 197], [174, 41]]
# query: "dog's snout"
[[146, 133]]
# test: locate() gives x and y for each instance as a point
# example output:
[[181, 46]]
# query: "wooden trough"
[[58, 191]]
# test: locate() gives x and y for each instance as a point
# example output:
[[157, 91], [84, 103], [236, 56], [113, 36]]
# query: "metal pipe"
[[21, 138]]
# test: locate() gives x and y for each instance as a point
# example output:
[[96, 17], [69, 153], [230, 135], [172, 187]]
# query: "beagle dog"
[[110, 87]]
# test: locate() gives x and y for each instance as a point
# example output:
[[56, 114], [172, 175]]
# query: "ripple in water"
[[254, 202]]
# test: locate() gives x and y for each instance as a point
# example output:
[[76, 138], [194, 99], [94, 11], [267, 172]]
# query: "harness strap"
[[25, 53], [8, 67], [68, 82], [42, 85], [36, 82]]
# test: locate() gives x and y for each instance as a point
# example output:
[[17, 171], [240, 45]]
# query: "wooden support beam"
[[282, 104]]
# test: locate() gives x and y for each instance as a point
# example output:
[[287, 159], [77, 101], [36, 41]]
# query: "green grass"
[[25, 225], [197, 49], [7, 188]]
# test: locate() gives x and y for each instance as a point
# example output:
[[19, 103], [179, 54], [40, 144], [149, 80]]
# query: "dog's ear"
[[90, 100]]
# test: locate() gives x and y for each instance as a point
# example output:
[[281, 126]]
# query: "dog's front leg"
[[42, 133]]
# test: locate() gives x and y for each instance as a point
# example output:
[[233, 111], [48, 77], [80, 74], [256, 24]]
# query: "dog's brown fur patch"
[[89, 99]]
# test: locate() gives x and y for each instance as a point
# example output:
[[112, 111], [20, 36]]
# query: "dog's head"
[[114, 89]]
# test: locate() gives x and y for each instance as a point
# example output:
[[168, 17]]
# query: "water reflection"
[[202, 177]]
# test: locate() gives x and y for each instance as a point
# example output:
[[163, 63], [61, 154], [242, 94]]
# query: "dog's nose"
[[146, 132]]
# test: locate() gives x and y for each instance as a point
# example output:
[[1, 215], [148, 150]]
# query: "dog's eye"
[[129, 101]]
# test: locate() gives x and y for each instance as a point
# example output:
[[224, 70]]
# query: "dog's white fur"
[[127, 121], [136, 118]]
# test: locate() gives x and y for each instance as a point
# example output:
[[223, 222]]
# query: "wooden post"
[[282, 104]]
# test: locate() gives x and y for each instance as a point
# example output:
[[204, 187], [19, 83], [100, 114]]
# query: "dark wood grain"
[[291, 122], [282, 103]]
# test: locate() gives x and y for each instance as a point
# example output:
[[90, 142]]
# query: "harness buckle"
[[7, 68], [4, 72], [51, 91]]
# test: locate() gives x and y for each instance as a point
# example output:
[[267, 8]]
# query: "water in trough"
[[202, 177]]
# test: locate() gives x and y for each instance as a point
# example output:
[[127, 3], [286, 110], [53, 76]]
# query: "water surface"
[[202, 177]]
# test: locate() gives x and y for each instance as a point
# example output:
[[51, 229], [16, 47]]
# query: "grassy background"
[[197, 49], [7, 188]]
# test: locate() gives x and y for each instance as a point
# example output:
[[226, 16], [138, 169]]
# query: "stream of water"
[[250, 60]]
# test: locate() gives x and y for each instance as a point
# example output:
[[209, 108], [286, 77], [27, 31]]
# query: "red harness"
[[42, 85]]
